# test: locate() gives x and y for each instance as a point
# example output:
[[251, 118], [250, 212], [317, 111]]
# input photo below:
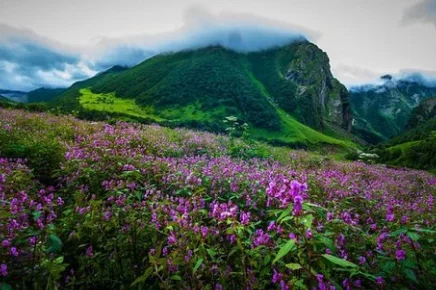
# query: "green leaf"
[[36, 215], [144, 276], [389, 266], [340, 262], [285, 213], [198, 264], [299, 284], [212, 253], [410, 274], [293, 266], [413, 236], [5, 286], [176, 278], [54, 244], [286, 248], [307, 221]]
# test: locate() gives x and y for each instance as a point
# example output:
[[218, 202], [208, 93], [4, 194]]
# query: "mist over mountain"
[[382, 110], [29, 61]]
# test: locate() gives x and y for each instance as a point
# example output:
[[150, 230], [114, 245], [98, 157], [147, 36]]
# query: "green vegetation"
[[92, 205], [275, 92], [43, 95], [110, 103], [382, 112], [415, 148]]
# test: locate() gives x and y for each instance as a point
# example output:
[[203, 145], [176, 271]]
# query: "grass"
[[296, 132], [110, 103], [292, 132]]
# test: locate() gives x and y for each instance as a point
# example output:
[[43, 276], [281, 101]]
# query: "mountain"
[[382, 111], [425, 111], [35, 96], [44, 94], [286, 94], [16, 96], [416, 147]]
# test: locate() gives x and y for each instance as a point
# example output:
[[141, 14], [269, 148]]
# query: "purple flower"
[[204, 230], [379, 280], [245, 218], [32, 241], [14, 252], [3, 270], [89, 251], [6, 243], [260, 238], [400, 255], [298, 205], [276, 276], [309, 234], [172, 239], [107, 215], [362, 260]]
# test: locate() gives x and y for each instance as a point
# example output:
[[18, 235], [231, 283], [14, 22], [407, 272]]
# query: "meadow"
[[88, 205]]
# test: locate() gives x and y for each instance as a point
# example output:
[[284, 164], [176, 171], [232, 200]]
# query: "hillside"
[[16, 96], [416, 147], [382, 111], [286, 94], [43, 95]]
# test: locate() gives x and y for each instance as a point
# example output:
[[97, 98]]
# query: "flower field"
[[121, 206]]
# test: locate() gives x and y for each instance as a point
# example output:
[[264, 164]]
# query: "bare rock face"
[[327, 99]]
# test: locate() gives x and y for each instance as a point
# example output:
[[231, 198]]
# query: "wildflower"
[[245, 218], [298, 205], [362, 260], [172, 239], [400, 255], [379, 280], [204, 230], [271, 226], [89, 251], [276, 276], [14, 252], [107, 215], [260, 238], [3, 270], [32, 241], [6, 243], [309, 234]]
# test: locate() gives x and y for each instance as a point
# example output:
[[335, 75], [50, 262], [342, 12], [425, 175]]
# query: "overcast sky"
[[55, 42]]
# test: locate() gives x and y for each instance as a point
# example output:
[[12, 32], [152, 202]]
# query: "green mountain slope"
[[381, 112], [44, 95], [416, 147], [286, 94]]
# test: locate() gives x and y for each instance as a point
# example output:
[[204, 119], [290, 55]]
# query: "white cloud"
[[424, 11]]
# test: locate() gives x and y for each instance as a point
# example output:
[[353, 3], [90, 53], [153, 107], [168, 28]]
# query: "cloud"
[[29, 61], [424, 11], [239, 32], [424, 78], [352, 76]]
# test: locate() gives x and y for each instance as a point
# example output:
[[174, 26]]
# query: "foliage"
[[148, 207], [199, 88], [381, 112]]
